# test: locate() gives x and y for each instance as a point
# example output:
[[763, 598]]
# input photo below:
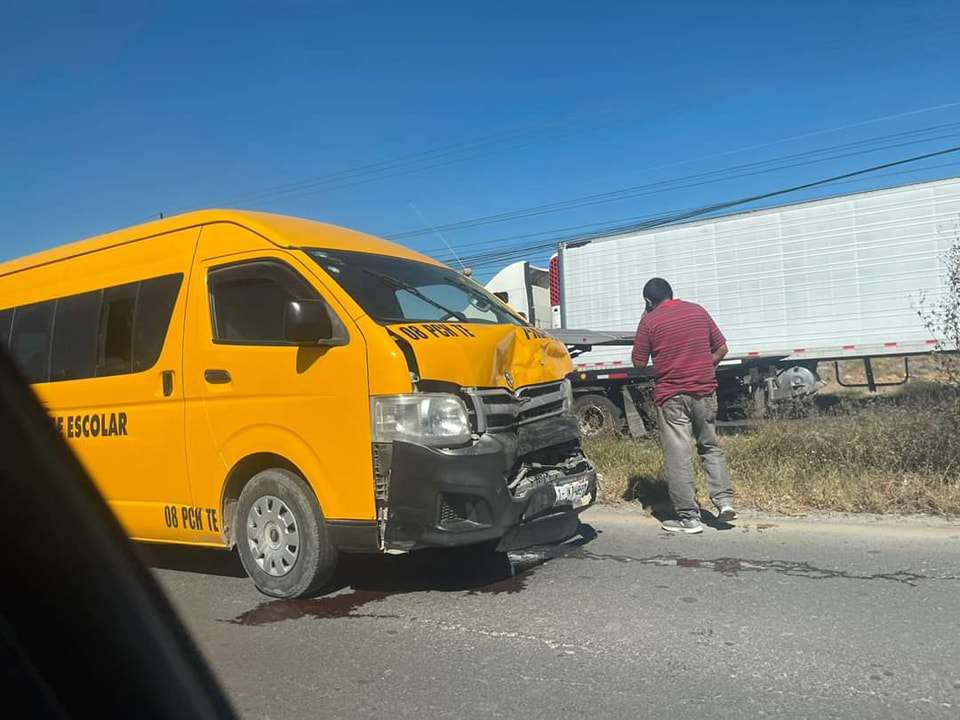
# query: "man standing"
[[686, 346]]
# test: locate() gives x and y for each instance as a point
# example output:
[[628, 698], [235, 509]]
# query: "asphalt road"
[[771, 618]]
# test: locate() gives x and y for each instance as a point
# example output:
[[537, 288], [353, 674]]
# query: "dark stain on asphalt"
[[331, 606], [732, 567], [346, 605]]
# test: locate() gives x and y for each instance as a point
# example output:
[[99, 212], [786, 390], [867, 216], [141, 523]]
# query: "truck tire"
[[282, 537], [597, 415]]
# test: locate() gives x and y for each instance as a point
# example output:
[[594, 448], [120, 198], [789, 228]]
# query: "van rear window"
[[392, 290]]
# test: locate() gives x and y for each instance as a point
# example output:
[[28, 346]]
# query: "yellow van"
[[297, 390]]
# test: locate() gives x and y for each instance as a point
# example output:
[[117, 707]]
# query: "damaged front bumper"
[[519, 488]]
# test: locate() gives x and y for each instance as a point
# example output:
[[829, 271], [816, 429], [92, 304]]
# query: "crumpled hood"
[[480, 355]]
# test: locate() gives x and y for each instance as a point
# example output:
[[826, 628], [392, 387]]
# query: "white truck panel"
[[513, 283], [842, 276]]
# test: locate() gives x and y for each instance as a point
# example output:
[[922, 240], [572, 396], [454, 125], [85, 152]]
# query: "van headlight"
[[422, 418], [567, 396]]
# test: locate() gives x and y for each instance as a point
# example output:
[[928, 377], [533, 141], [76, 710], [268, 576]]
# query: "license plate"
[[574, 493]]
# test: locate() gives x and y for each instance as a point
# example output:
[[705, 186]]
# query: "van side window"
[[73, 354], [30, 340], [247, 301], [6, 319], [115, 342], [154, 309], [112, 331]]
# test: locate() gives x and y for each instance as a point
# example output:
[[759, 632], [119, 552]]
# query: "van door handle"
[[166, 379], [216, 377]]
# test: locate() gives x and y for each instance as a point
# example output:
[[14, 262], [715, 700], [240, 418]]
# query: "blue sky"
[[113, 112]]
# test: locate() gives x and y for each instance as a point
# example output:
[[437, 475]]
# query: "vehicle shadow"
[[207, 561], [442, 570], [477, 568]]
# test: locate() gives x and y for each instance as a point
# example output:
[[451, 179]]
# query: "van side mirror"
[[307, 322]]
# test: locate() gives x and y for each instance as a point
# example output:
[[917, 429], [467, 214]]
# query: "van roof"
[[282, 230]]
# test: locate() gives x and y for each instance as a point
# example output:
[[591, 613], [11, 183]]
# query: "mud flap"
[[635, 423]]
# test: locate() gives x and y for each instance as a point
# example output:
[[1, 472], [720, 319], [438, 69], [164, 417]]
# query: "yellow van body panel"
[[281, 230], [169, 441], [143, 467], [306, 405], [388, 374], [484, 356]]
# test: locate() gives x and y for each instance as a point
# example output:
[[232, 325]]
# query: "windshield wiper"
[[415, 291]]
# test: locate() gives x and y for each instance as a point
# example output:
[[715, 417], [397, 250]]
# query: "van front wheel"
[[282, 537]]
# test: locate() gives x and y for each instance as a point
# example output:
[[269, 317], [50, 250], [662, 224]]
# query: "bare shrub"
[[943, 318]]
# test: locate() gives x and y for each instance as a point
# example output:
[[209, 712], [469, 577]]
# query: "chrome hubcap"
[[273, 535]]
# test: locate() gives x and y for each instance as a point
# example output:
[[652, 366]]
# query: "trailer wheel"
[[281, 536], [597, 415]]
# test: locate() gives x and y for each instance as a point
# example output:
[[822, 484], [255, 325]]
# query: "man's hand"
[[719, 354]]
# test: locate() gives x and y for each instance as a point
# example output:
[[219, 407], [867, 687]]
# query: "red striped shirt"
[[682, 338]]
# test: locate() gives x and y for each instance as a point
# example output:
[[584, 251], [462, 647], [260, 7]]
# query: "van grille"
[[497, 409]]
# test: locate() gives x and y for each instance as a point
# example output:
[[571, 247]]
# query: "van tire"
[[597, 415], [315, 556]]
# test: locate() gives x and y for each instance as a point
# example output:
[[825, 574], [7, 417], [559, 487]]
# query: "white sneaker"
[[727, 513]]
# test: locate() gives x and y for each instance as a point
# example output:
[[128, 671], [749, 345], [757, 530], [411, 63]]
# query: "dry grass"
[[895, 453]]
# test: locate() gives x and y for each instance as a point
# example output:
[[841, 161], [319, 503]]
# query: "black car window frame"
[[340, 334]]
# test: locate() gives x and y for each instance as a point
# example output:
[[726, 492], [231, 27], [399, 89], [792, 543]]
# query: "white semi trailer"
[[791, 287]]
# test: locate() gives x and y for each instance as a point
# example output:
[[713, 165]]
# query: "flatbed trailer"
[[617, 396]]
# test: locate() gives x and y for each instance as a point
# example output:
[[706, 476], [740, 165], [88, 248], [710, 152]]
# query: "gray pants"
[[683, 419]]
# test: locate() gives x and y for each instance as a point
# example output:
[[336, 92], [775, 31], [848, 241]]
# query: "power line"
[[611, 222], [413, 162], [674, 218], [466, 150], [605, 227], [815, 133], [735, 171], [486, 140]]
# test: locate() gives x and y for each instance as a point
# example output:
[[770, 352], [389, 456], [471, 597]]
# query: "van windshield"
[[393, 290]]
